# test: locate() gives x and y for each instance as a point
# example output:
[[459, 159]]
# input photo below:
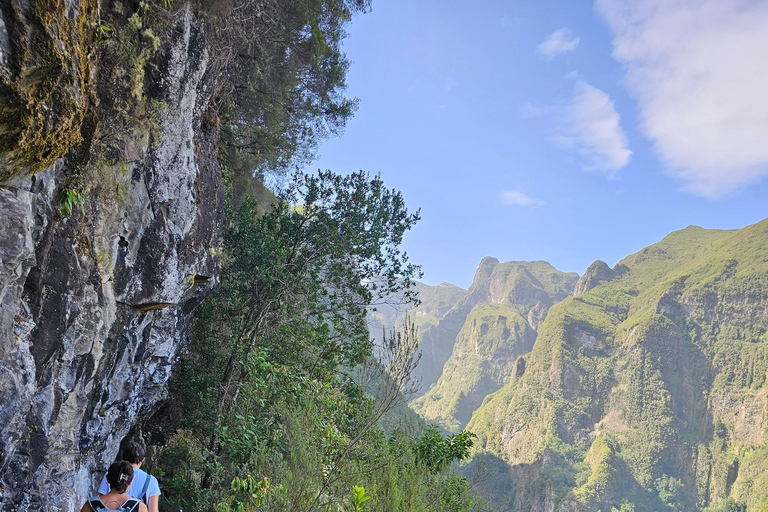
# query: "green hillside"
[[646, 390], [436, 321], [509, 302]]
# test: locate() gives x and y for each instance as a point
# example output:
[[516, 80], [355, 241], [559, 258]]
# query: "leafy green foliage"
[[282, 379], [248, 495], [437, 452], [71, 199], [281, 79], [358, 498], [727, 505]]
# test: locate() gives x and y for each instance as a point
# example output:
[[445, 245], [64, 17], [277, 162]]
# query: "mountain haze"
[[506, 304], [435, 320]]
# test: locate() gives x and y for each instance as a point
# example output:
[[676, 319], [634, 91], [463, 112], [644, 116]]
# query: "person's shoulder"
[[154, 486]]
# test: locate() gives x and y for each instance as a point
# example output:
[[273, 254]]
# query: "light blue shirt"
[[139, 475]]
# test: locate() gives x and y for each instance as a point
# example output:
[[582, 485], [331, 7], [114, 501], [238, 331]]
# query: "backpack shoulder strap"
[[131, 505], [144, 496], [95, 503]]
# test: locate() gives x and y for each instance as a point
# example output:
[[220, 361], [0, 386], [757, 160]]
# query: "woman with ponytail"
[[119, 477], [145, 486]]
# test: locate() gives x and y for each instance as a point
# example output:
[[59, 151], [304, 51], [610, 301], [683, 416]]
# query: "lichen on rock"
[[45, 81]]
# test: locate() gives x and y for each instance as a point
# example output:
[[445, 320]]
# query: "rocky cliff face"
[[109, 110]]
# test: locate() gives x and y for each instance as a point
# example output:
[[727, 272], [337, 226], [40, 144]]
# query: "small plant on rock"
[[69, 200]]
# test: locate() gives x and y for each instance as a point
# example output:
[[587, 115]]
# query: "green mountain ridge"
[[508, 302], [646, 388]]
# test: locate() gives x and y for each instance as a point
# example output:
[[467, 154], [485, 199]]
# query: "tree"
[[300, 277], [290, 311], [281, 80]]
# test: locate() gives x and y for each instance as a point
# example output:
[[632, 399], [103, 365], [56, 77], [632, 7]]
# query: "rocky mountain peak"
[[596, 273]]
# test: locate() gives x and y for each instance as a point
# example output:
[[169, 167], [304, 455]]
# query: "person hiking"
[[119, 478], [145, 486]]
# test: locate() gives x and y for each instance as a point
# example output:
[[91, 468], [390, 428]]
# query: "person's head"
[[133, 452], [120, 476]]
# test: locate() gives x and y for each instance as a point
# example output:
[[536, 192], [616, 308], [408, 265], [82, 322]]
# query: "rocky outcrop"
[[96, 304], [598, 272], [46, 59]]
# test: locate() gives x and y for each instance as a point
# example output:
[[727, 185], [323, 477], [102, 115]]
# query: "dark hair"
[[120, 475], [133, 452]]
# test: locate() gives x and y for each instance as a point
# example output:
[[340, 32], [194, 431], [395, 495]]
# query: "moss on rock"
[[45, 90]]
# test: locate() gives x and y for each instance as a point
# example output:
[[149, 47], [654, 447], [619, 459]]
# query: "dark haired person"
[[119, 478], [145, 487]]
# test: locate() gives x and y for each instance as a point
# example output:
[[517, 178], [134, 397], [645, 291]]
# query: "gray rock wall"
[[95, 306]]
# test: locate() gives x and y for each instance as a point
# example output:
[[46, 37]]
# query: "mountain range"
[[637, 387]]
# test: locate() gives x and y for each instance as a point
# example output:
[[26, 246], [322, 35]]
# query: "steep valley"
[[641, 387], [504, 308]]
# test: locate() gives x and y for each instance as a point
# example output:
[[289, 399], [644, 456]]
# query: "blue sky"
[[562, 131]]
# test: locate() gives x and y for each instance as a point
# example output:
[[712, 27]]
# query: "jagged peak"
[[596, 273], [488, 261]]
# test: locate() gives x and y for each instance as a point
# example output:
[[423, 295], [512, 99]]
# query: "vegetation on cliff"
[[510, 301], [281, 381], [281, 81], [648, 389]]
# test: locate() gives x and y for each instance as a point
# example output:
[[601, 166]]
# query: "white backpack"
[[130, 505]]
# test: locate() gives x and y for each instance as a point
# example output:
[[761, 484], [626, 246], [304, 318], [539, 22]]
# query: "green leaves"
[[273, 382], [437, 452], [301, 275], [289, 316], [69, 200], [283, 80], [358, 498], [249, 495]]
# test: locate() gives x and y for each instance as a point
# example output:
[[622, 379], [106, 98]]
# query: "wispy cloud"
[[697, 69], [589, 124], [517, 198], [529, 111], [560, 41]]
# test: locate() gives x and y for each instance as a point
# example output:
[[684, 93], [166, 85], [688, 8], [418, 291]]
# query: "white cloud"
[[560, 41], [697, 69], [590, 125], [529, 111], [517, 198], [571, 75]]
